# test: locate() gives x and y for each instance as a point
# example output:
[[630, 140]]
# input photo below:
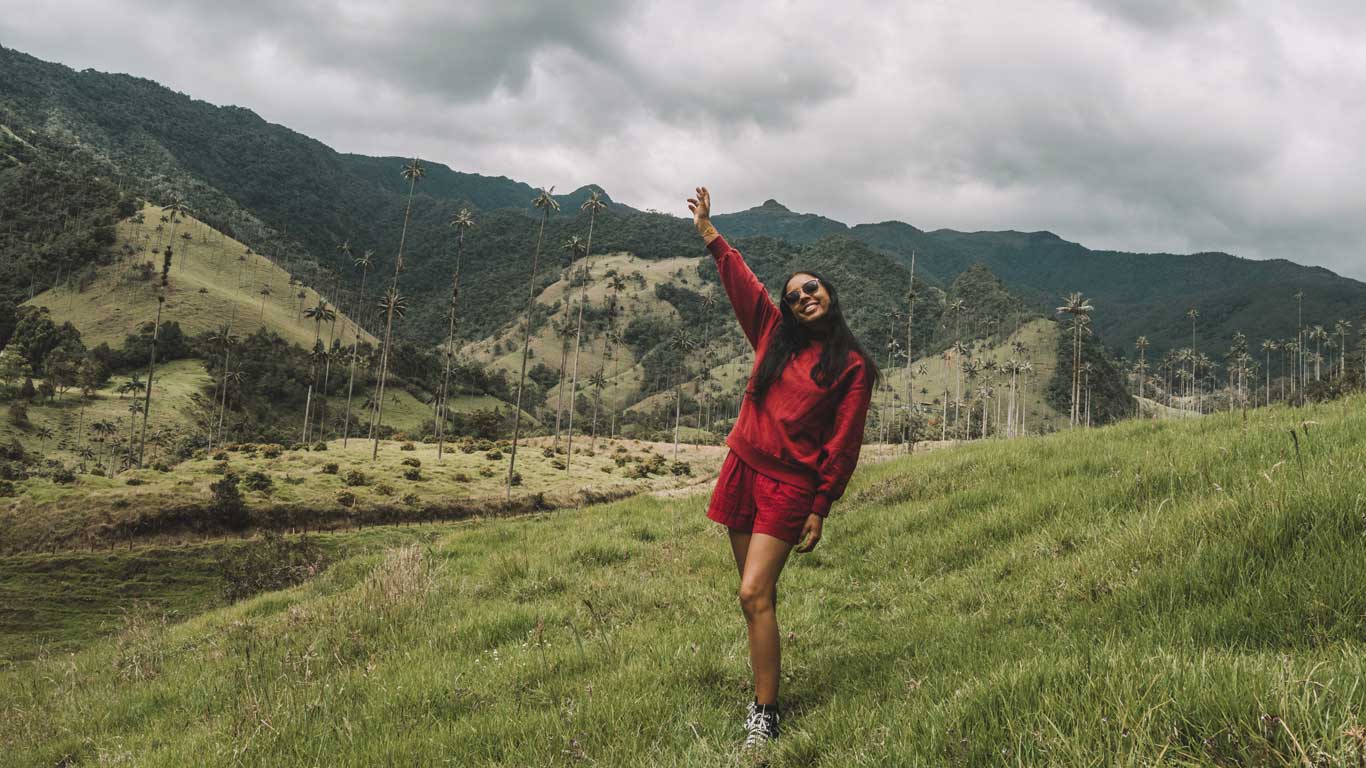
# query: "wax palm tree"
[[222, 338], [957, 353], [461, 222], [43, 434], [573, 249], [264, 294], [598, 382], [1318, 334], [545, 201], [1079, 310], [682, 343], [1341, 328], [364, 261], [411, 172], [319, 313], [395, 306], [1142, 346], [593, 205], [911, 294]]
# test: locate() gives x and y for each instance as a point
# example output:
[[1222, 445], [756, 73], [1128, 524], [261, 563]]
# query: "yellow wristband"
[[707, 231]]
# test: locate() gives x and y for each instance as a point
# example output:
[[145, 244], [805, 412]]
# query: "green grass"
[[1154, 593], [209, 285], [45, 514]]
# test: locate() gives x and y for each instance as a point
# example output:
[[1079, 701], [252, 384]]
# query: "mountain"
[[773, 219]]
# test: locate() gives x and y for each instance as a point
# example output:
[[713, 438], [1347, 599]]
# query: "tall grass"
[[1146, 594]]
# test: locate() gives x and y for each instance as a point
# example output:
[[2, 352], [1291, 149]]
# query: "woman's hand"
[[701, 214], [811, 532]]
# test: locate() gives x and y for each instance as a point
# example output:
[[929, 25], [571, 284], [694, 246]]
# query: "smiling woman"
[[794, 445]]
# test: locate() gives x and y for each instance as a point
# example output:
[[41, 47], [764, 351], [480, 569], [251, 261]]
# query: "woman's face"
[[807, 297]]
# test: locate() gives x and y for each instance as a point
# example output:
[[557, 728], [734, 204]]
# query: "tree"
[[547, 204], [910, 357], [461, 222], [364, 261], [319, 313], [394, 306], [593, 205], [43, 434], [412, 172], [1079, 310], [224, 339], [681, 343], [1142, 346], [1341, 328], [574, 250], [1318, 334], [265, 294]]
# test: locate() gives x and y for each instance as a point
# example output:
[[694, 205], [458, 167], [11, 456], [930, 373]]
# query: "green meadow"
[[1154, 593]]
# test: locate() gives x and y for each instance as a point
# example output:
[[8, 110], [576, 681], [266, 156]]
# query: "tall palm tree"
[[910, 358], [265, 294], [319, 313], [1268, 346], [411, 172], [1341, 328], [598, 382], [395, 306], [1142, 346], [1079, 310], [222, 338], [593, 205], [573, 249], [1317, 334], [1297, 385], [682, 343], [365, 261], [546, 202], [461, 222]]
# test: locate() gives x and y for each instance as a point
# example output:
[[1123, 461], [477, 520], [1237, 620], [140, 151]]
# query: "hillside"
[[1184, 593], [214, 280]]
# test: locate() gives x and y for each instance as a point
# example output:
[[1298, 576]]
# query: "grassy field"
[[213, 279], [1153, 593], [45, 514]]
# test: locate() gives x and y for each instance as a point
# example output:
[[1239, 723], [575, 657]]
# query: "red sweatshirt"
[[799, 433]]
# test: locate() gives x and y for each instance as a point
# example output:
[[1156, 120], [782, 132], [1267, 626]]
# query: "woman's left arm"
[[842, 449]]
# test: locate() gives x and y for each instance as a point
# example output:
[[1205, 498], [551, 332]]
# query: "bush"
[[461, 477], [227, 505], [407, 447], [607, 470], [621, 460], [516, 478], [468, 448], [621, 449], [484, 445], [412, 473], [133, 481], [655, 464], [557, 464], [494, 455], [639, 472], [220, 456], [356, 477], [384, 489], [272, 451], [219, 468], [247, 449], [320, 446], [274, 563], [412, 461], [680, 468], [330, 468], [346, 498], [63, 476], [410, 499], [486, 471], [6, 488], [161, 467], [548, 452], [258, 481], [18, 414]]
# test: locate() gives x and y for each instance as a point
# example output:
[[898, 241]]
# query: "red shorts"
[[749, 502]]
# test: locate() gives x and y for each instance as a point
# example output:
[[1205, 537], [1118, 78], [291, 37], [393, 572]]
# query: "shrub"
[[655, 464], [346, 498], [680, 468], [162, 467], [621, 460], [6, 488], [18, 413], [468, 448], [329, 468], [356, 477], [461, 477], [248, 449], [484, 445], [274, 563], [227, 505], [412, 461], [63, 476], [494, 455], [133, 481], [620, 449], [412, 473], [410, 499], [220, 468], [320, 446], [516, 478], [486, 472], [607, 470], [258, 481], [272, 451], [407, 447], [548, 452], [557, 464], [384, 489], [639, 472], [220, 456]]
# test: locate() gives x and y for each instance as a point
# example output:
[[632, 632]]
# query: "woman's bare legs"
[[760, 559]]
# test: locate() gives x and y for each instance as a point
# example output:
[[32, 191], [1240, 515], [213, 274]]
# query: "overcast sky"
[[1178, 125]]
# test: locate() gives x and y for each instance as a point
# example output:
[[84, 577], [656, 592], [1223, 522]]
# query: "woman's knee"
[[756, 599]]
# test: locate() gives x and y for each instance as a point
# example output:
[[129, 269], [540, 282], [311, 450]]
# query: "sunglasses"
[[809, 288]]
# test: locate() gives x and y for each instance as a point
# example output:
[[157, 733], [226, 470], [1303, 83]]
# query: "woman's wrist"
[[707, 231]]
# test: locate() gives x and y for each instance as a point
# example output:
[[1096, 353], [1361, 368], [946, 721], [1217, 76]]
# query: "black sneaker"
[[761, 727]]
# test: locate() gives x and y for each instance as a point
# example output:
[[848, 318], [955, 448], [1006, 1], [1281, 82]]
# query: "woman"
[[793, 447]]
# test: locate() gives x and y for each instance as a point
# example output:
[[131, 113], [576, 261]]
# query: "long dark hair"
[[792, 336]]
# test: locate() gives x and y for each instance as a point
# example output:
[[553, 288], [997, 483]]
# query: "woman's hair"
[[792, 336]]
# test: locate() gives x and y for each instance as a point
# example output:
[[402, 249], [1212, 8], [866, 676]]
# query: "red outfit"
[[799, 434]]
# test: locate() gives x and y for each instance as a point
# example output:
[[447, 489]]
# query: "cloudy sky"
[[1178, 125]]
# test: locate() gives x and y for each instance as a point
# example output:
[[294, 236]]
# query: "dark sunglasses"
[[809, 288]]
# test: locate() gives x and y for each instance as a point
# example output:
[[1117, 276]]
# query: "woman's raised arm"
[[753, 307]]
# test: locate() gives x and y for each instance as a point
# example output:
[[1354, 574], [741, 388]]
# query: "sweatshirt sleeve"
[[753, 307], [840, 452]]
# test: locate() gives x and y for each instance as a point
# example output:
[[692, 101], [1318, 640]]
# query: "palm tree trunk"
[[355, 342], [389, 320], [442, 407], [151, 370], [526, 351], [910, 359]]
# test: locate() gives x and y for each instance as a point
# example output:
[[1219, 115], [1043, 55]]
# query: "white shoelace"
[[760, 727]]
